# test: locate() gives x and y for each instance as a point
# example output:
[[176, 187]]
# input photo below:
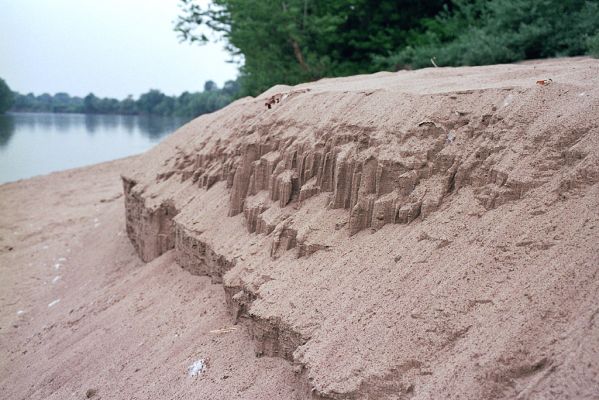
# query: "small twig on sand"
[[544, 82], [434, 63]]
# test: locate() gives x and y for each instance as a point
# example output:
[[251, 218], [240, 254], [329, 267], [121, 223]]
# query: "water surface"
[[35, 144]]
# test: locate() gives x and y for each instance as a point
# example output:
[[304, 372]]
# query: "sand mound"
[[418, 234]]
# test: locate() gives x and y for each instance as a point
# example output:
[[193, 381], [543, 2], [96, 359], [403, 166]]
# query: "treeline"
[[294, 41], [154, 102]]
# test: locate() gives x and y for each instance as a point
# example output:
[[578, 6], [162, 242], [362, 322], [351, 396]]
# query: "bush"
[[593, 45], [482, 32]]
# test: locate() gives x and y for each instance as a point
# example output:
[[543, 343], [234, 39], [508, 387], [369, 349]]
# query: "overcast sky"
[[109, 47]]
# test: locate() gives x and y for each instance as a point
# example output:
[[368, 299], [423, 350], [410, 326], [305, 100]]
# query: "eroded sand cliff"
[[81, 316], [420, 234]]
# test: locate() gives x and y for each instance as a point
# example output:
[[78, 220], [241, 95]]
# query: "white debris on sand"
[[57, 266], [55, 302], [508, 100], [56, 279], [450, 137], [197, 368], [20, 312]]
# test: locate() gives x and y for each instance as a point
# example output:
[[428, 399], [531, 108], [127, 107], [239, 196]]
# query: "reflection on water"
[[7, 128], [151, 126], [33, 144]]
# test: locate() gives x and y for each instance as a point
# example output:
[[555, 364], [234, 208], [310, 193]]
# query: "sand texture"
[[418, 234], [121, 329], [424, 234]]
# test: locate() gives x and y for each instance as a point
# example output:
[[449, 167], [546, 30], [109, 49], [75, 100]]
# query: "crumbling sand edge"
[[272, 338]]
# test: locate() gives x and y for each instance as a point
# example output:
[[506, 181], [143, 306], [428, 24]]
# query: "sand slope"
[[121, 328], [423, 234]]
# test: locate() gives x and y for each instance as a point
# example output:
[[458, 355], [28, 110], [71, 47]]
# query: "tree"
[[6, 97], [91, 104], [209, 86], [128, 106], [108, 106], [153, 102], [61, 102], [292, 41], [148, 102], [231, 88]]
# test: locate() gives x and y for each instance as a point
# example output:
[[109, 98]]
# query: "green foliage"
[[593, 45], [91, 104], [128, 106], [6, 97], [293, 41], [480, 32], [60, 102], [210, 86], [154, 102]]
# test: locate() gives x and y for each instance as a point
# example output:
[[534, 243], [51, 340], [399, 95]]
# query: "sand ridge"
[[420, 234]]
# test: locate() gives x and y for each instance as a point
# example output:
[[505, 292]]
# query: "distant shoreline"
[[153, 102]]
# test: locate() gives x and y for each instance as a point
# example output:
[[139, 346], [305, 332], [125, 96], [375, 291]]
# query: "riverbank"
[[81, 314]]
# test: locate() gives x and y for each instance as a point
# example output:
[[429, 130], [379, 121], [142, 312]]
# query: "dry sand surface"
[[121, 329], [427, 234]]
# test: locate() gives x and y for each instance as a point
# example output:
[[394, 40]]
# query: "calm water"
[[35, 144]]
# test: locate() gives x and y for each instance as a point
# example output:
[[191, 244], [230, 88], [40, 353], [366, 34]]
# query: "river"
[[39, 143]]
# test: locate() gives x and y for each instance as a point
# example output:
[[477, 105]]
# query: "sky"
[[112, 48]]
